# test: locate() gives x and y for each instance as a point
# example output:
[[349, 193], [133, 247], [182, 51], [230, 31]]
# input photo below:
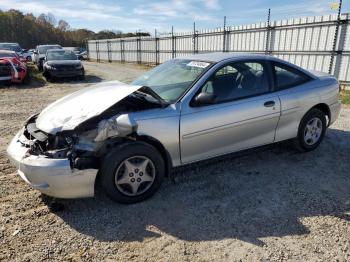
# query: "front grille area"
[[66, 67], [5, 69]]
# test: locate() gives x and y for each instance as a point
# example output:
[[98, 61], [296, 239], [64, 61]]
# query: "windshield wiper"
[[149, 91]]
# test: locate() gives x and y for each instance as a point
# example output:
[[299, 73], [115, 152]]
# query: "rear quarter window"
[[287, 77]]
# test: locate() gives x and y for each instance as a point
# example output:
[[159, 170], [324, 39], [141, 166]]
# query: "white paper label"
[[198, 64]]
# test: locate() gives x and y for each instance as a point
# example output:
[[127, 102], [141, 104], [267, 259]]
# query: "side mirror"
[[35, 52], [203, 99]]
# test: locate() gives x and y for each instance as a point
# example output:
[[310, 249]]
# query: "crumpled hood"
[[72, 110]]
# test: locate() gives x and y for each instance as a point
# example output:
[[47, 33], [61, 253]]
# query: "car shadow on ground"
[[267, 193]]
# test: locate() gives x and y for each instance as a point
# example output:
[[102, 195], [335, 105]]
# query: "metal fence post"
[[98, 51], [224, 36], [267, 45], [195, 39], [157, 50], [109, 51], [122, 51], [335, 40], [173, 50], [138, 44]]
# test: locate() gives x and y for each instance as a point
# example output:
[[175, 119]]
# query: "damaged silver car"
[[129, 137]]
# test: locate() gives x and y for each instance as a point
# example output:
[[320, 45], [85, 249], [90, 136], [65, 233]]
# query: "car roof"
[[9, 43], [7, 51], [215, 57], [219, 56]]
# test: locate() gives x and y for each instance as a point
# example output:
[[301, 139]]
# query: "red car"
[[10, 61]]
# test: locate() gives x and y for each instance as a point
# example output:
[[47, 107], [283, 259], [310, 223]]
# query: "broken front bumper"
[[53, 177]]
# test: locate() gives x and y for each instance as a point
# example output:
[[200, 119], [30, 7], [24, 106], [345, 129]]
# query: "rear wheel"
[[311, 131], [132, 172]]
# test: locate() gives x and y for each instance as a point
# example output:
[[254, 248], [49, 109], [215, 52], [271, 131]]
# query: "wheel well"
[[149, 140], [325, 109], [163, 152]]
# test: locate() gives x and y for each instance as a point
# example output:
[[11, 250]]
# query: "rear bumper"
[[335, 111], [53, 177]]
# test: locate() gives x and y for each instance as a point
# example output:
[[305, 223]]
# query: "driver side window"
[[238, 80]]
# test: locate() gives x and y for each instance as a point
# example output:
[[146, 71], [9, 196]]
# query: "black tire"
[[48, 77], [299, 142], [116, 157]]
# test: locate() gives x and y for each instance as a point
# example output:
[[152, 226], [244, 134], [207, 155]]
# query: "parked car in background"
[[83, 55], [79, 51], [27, 54], [17, 66], [62, 63], [5, 72], [12, 47], [40, 54], [183, 111]]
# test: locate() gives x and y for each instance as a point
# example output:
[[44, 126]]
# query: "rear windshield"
[[43, 49], [12, 47], [61, 55]]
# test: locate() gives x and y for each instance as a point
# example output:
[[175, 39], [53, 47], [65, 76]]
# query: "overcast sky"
[[132, 15]]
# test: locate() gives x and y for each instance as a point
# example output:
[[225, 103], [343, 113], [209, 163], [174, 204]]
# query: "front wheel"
[[132, 172], [311, 131]]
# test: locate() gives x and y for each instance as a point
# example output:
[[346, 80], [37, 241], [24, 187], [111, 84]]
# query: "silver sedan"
[[186, 110]]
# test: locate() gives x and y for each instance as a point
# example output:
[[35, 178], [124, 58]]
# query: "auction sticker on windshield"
[[198, 64]]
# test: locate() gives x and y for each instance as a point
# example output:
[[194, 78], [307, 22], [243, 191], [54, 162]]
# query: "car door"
[[244, 115], [296, 96]]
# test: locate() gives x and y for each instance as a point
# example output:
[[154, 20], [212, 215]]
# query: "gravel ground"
[[273, 204]]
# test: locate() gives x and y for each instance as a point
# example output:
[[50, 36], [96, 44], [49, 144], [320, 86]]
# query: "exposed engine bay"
[[87, 143]]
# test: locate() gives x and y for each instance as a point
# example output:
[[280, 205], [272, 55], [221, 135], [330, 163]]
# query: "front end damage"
[[65, 164]]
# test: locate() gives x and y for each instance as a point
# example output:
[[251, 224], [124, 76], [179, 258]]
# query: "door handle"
[[269, 103]]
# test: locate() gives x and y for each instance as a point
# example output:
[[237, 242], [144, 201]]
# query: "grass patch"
[[345, 97]]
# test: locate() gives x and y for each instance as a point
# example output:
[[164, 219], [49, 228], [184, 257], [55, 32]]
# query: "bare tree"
[[47, 18], [63, 25]]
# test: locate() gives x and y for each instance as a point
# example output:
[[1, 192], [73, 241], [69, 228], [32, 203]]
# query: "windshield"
[[171, 79], [61, 55], [7, 54], [43, 49], [12, 47]]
